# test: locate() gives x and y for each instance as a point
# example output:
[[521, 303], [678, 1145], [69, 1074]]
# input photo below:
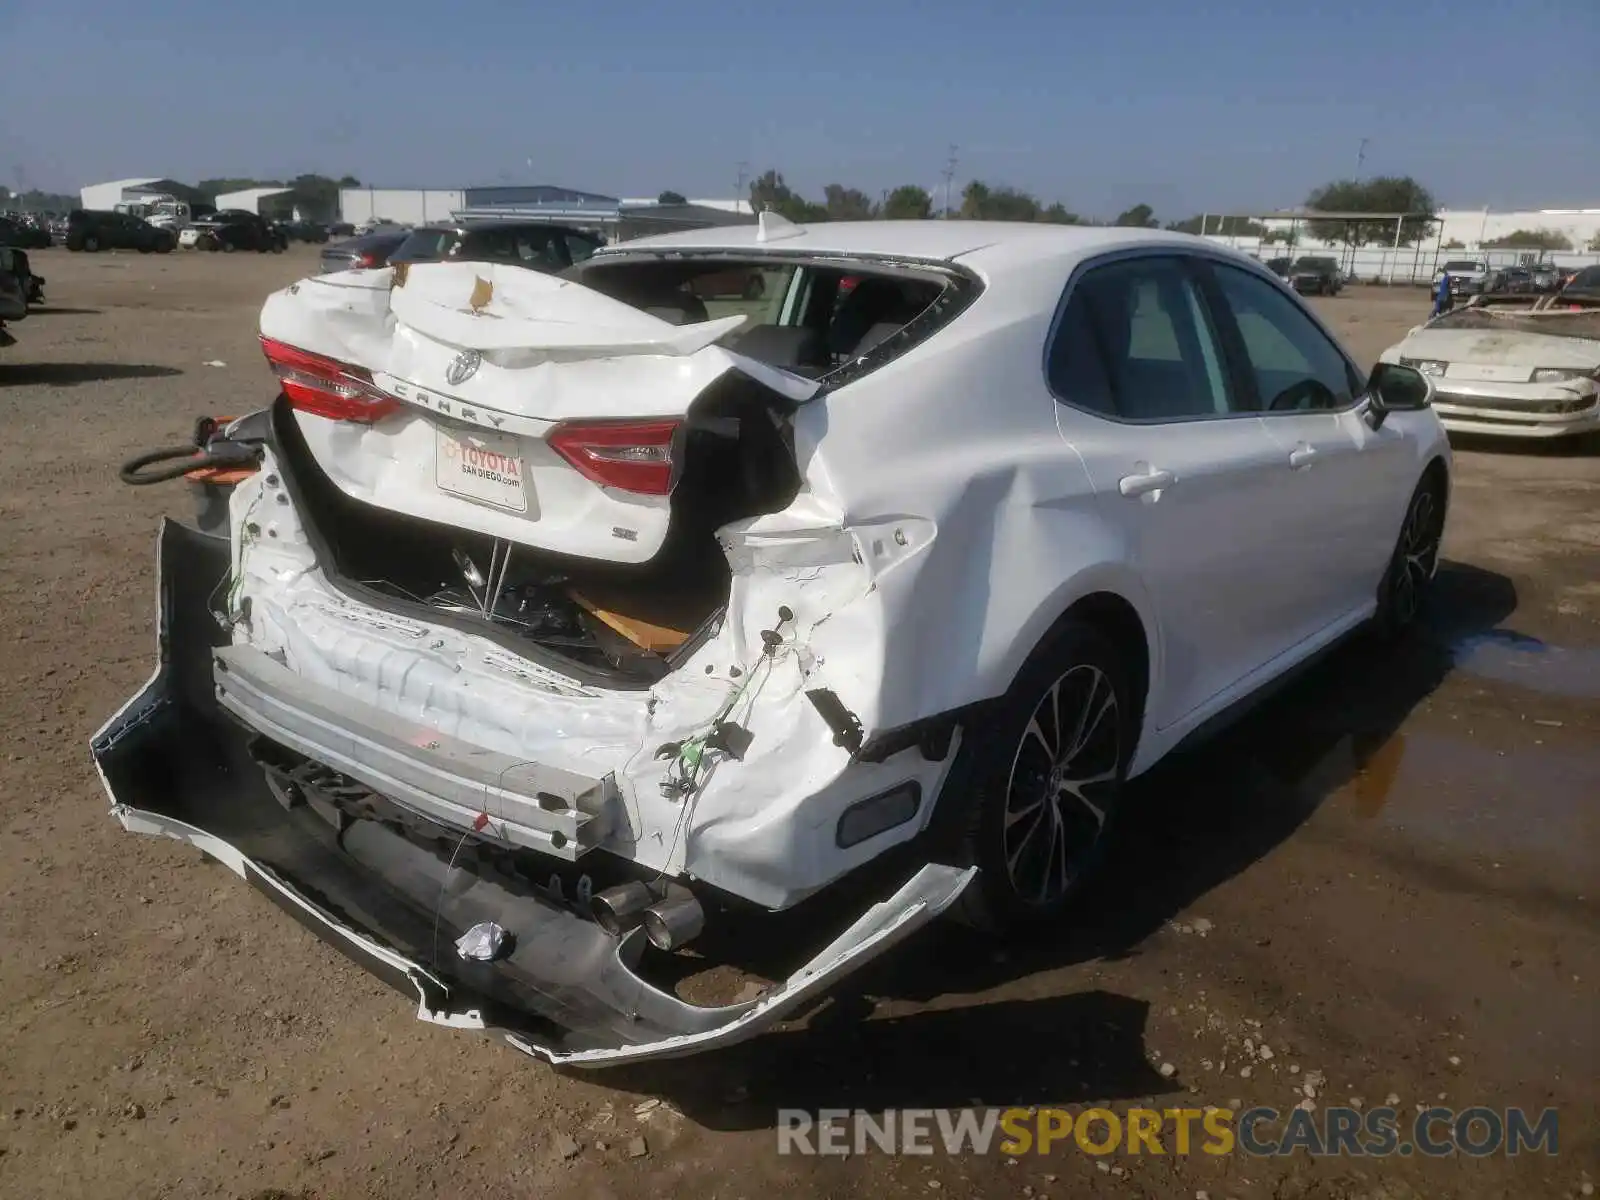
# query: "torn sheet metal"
[[557, 987], [551, 349]]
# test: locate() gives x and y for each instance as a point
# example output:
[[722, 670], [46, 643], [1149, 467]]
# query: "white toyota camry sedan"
[[562, 615]]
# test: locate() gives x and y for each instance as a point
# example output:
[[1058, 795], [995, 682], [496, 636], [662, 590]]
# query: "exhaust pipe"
[[674, 922], [618, 909]]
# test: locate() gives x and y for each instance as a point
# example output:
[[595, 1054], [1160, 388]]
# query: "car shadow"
[[1580, 445], [1196, 820], [69, 374], [58, 310]]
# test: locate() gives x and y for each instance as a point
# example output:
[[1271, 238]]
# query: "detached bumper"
[[174, 765]]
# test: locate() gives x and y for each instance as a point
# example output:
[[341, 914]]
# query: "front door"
[[1181, 467], [1346, 482]]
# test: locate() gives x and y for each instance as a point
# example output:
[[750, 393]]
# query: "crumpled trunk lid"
[[488, 360]]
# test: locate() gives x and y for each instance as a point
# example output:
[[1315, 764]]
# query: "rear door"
[[1181, 466], [1345, 483]]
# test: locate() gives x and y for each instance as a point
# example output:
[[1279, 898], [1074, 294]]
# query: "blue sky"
[[1183, 104]]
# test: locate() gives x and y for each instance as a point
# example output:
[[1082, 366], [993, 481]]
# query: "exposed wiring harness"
[[694, 759]]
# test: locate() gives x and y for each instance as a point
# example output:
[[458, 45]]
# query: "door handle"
[[1301, 457], [1149, 481]]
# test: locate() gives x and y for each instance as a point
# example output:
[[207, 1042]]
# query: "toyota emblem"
[[462, 367]]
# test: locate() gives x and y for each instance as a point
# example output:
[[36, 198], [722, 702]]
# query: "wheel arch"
[[1114, 603]]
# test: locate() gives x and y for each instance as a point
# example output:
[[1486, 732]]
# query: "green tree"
[[672, 198], [1283, 237], [34, 200], [848, 204], [1594, 242], [1057, 214], [769, 191], [1140, 216], [1530, 239], [317, 196], [1385, 194], [980, 202], [1455, 244], [908, 203]]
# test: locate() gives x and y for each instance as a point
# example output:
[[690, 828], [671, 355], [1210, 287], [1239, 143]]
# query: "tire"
[[145, 247], [1415, 560], [225, 246], [91, 243], [165, 245], [1076, 688]]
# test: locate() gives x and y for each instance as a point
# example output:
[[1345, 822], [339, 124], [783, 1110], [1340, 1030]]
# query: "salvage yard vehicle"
[[1468, 276], [1515, 371], [558, 621], [538, 245], [24, 234], [369, 250], [13, 292], [91, 230], [235, 229], [1316, 276]]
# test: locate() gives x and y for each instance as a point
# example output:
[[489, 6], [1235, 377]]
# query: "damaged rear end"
[[505, 679]]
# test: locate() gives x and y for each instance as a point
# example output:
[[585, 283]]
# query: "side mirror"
[[1394, 388]]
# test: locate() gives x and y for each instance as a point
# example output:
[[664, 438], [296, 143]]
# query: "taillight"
[[326, 387], [369, 260], [632, 456]]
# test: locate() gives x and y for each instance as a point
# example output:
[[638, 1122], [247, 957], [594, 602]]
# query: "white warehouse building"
[[250, 199], [104, 197]]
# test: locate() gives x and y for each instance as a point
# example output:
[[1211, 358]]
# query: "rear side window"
[[538, 248], [1136, 341], [424, 244], [579, 247]]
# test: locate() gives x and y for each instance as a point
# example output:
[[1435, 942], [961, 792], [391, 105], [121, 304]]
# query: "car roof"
[[982, 243], [477, 223]]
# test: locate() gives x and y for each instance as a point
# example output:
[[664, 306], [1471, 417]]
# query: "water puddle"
[[1536, 803], [1528, 662]]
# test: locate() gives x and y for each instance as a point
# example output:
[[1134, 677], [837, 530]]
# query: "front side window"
[[1295, 366], [1136, 341]]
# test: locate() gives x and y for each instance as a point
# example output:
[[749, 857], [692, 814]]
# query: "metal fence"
[[1407, 265]]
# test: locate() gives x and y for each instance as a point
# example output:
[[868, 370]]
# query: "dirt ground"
[[1388, 875]]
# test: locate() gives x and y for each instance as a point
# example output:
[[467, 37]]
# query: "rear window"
[[1463, 265], [814, 318]]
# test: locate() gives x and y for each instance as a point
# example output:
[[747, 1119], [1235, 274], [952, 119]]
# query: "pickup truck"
[[1468, 276]]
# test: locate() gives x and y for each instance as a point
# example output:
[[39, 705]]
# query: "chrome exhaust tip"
[[674, 922], [618, 909]]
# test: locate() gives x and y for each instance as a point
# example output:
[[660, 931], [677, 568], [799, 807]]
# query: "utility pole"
[[949, 180], [743, 169]]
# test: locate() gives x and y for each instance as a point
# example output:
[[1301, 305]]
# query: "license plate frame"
[[476, 465]]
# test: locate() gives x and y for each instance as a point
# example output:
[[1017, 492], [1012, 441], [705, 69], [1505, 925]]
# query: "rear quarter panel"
[[956, 447]]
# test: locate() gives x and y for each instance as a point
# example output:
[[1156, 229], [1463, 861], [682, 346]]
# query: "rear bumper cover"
[[174, 765]]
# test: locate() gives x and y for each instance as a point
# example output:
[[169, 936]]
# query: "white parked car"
[[564, 614], [1531, 373]]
